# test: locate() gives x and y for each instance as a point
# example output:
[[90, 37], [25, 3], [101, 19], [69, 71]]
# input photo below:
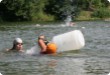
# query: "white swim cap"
[[18, 40]]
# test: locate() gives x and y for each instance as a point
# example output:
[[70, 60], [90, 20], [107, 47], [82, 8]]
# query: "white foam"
[[33, 50], [1, 74]]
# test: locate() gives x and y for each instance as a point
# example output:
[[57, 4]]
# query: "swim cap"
[[18, 40]]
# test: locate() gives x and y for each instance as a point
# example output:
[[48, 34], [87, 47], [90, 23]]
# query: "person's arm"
[[42, 45], [8, 50]]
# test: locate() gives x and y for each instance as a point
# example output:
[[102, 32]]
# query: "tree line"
[[50, 10]]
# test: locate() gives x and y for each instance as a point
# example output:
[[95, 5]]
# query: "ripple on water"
[[93, 59]]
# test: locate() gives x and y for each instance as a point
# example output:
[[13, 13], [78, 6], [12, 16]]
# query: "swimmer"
[[42, 42], [45, 46], [17, 45]]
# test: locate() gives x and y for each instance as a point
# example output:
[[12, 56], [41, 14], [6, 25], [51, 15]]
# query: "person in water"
[[42, 42], [45, 46], [17, 45]]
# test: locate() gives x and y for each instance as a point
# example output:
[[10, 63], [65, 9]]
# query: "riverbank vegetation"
[[53, 10]]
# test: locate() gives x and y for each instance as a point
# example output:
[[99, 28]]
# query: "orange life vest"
[[51, 48]]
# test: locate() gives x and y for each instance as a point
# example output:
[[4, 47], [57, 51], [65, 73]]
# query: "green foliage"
[[102, 13], [42, 17], [60, 8], [0, 19], [91, 4], [48, 10], [23, 9]]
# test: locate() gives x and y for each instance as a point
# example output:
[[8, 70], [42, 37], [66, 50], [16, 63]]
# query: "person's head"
[[41, 37], [17, 44]]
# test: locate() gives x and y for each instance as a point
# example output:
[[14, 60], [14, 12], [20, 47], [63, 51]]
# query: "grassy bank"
[[86, 15], [98, 14], [44, 19]]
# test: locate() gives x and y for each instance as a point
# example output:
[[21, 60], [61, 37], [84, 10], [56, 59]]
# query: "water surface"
[[93, 59]]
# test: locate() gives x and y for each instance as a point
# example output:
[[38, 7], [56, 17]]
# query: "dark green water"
[[93, 59]]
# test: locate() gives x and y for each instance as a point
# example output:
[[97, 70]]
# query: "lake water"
[[93, 59]]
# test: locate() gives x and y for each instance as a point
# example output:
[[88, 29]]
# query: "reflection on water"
[[93, 59]]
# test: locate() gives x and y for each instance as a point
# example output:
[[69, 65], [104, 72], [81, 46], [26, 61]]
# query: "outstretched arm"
[[42, 45]]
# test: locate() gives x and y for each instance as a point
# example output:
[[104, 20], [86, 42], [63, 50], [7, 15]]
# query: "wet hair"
[[40, 37], [45, 41]]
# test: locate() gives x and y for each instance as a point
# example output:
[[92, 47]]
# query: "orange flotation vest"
[[51, 48]]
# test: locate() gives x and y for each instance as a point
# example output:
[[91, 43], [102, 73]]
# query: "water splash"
[[68, 20], [34, 50], [69, 12]]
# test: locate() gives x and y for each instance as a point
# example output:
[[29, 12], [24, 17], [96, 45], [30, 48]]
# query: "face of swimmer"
[[18, 44]]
